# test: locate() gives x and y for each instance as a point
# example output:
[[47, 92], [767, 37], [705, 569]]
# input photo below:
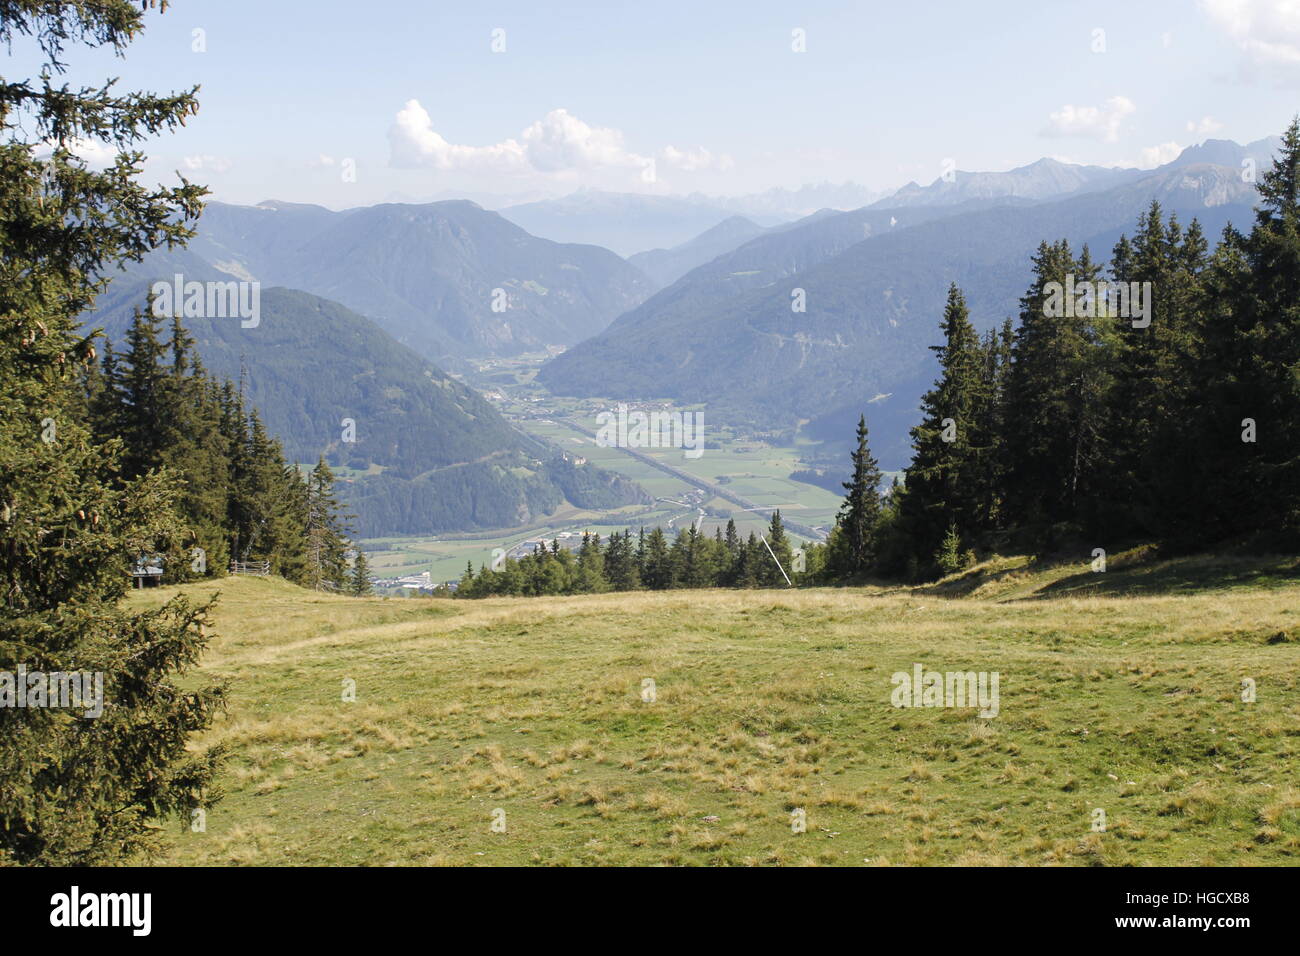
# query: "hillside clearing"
[[766, 702]]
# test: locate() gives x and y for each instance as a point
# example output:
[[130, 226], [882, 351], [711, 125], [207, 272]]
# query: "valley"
[[711, 435], [740, 476]]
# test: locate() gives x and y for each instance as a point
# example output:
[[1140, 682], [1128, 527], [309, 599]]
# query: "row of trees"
[[237, 496], [624, 563], [1082, 425], [103, 463]]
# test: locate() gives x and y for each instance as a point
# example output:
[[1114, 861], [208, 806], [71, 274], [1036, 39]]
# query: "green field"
[[758, 474], [445, 556], [1119, 692]]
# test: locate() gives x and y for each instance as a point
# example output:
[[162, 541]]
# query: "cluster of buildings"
[[422, 582]]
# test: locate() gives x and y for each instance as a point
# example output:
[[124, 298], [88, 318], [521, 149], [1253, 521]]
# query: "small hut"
[[147, 571]]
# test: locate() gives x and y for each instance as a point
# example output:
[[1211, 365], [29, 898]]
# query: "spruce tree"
[[731, 559], [168, 414], [1147, 428], [620, 563], [143, 396], [466, 586], [771, 575], [750, 566], [1055, 405], [590, 573], [79, 790], [326, 536], [199, 454], [947, 478], [659, 570], [359, 582], [1252, 354], [859, 516]]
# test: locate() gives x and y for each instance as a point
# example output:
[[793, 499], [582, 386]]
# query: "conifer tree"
[[640, 557], [859, 517], [1250, 415], [359, 582], [326, 536], [168, 414], [946, 480], [198, 453], [659, 571], [1055, 396], [779, 558], [731, 560], [1147, 428], [590, 573], [989, 465], [750, 565], [620, 563], [79, 790], [143, 396]]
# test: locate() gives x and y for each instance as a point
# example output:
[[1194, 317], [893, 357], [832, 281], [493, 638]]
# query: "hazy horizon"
[[497, 104]]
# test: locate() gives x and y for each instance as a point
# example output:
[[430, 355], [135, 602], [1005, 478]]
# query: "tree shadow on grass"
[[1178, 576]]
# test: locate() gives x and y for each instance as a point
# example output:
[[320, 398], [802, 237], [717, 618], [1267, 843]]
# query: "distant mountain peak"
[[1042, 180], [1225, 152]]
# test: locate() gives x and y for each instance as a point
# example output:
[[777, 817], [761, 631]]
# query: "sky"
[[346, 104]]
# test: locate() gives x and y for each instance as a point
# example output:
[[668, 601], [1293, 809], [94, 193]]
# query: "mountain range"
[[363, 309], [874, 282], [450, 279], [418, 451], [666, 266], [1045, 179], [1050, 179], [636, 223]]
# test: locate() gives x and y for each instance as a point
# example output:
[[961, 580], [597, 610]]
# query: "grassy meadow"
[[1119, 691]]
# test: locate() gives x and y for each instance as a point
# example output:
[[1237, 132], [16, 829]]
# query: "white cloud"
[[1152, 156], [1148, 157], [415, 144], [560, 141], [692, 160], [207, 163], [321, 161], [1266, 31], [93, 153], [1205, 126], [1096, 122], [558, 145]]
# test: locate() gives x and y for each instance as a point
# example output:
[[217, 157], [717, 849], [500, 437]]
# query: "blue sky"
[[678, 97]]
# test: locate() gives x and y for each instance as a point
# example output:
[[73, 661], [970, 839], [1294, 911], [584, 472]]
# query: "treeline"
[[1176, 422], [237, 498], [649, 561]]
